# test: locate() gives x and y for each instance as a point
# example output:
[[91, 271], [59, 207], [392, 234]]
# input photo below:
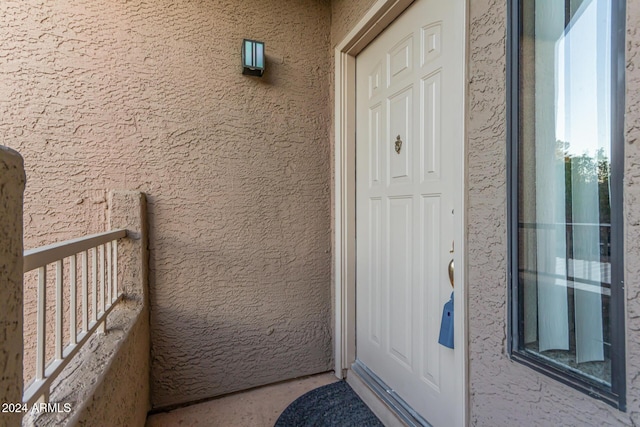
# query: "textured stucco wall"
[[107, 382], [12, 182], [149, 96], [504, 393], [345, 14], [121, 396]]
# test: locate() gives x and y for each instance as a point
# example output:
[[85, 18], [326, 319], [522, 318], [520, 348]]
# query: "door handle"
[[450, 268]]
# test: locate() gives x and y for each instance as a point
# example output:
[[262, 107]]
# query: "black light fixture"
[[252, 57]]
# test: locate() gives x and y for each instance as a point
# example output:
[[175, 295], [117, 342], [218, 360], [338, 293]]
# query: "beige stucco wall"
[[107, 381], [504, 393], [345, 14], [12, 181], [120, 397], [149, 96]]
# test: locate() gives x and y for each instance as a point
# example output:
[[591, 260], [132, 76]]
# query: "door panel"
[[400, 60], [408, 185], [375, 136], [430, 273], [375, 269], [375, 81], [399, 259], [400, 107], [430, 42], [430, 127]]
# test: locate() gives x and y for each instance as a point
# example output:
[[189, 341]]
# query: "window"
[[566, 105]]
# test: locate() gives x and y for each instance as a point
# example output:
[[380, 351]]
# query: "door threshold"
[[396, 404]]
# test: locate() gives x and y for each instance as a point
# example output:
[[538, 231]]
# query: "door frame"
[[381, 14]]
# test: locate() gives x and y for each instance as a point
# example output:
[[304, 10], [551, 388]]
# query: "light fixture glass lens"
[[259, 55], [248, 53]]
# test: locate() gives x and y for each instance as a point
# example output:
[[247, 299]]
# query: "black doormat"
[[328, 406]]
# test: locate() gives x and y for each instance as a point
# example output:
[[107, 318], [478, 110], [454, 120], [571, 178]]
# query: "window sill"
[[570, 379]]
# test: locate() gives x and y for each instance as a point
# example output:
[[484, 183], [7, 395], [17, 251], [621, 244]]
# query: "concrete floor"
[[258, 407]]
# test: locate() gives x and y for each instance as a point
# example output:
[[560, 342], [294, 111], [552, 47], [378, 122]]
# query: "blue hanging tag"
[[446, 326]]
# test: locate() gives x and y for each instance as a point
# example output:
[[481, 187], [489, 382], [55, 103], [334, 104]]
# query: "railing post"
[[128, 210], [12, 183]]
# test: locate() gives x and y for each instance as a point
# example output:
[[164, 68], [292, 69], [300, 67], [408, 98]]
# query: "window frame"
[[616, 394]]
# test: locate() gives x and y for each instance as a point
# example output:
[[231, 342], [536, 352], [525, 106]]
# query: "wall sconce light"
[[252, 57]]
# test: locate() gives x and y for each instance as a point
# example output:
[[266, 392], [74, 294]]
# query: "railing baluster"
[[104, 278], [59, 294], [85, 292], [73, 300], [109, 276], [94, 294], [115, 271], [101, 329], [42, 310], [105, 287]]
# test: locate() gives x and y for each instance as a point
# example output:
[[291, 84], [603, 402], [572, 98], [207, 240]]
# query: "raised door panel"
[[400, 60], [399, 281], [430, 43], [430, 277], [375, 141], [400, 135], [430, 127], [375, 271], [375, 81]]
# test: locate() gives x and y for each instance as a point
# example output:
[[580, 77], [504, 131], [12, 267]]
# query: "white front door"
[[409, 101]]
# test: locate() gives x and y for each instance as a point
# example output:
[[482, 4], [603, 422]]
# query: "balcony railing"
[[576, 259], [103, 294]]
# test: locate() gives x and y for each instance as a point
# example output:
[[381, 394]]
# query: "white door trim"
[[379, 16]]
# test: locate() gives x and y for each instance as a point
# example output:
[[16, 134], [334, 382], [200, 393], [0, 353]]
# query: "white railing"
[[103, 293]]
